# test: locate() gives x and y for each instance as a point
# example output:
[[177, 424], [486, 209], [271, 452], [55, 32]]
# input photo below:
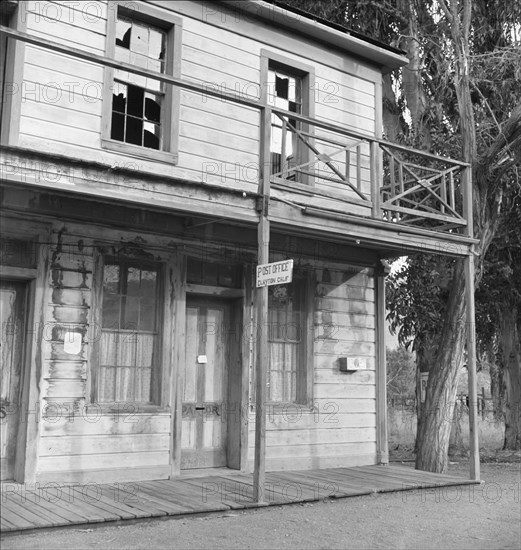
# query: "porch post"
[[471, 367], [466, 180], [261, 307], [382, 448]]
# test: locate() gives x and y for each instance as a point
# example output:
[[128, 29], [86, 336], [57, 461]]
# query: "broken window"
[[129, 348], [138, 101], [284, 92]]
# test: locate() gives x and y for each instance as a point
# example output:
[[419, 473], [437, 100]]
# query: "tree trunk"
[[436, 421], [511, 348]]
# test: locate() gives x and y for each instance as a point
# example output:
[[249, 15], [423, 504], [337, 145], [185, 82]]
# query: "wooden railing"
[[397, 184]]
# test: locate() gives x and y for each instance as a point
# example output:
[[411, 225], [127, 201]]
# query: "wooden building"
[[153, 154]]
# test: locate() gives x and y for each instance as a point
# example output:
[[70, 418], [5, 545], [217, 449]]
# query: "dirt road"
[[473, 517]]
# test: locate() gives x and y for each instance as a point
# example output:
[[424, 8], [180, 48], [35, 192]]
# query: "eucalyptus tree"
[[460, 96]]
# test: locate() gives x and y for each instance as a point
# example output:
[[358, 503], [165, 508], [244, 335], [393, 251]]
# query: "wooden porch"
[[55, 505]]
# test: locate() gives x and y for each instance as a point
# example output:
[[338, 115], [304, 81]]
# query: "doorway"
[[208, 438], [13, 297]]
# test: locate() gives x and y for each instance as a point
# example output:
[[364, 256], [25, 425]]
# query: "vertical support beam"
[[471, 367], [261, 308], [382, 449], [375, 180], [466, 180]]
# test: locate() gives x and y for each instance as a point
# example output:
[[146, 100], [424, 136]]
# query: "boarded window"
[[138, 101], [287, 322], [130, 340]]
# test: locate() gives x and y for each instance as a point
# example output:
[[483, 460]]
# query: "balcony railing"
[[397, 184]]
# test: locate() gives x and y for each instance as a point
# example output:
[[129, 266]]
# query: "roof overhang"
[[387, 58]]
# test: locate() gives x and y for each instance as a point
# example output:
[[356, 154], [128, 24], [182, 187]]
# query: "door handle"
[[200, 408]]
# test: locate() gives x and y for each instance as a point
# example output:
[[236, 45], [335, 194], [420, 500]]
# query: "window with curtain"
[[287, 327], [129, 350]]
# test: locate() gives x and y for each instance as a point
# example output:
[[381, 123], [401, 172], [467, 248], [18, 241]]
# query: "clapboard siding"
[[91, 422], [77, 437], [213, 134], [103, 444], [340, 428], [109, 460]]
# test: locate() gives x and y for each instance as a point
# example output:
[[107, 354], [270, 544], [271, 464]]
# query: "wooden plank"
[[92, 422], [163, 500], [112, 511], [27, 512], [114, 505], [231, 492], [18, 522], [101, 444], [109, 460]]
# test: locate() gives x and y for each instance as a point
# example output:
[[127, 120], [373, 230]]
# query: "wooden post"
[[375, 180], [382, 449], [466, 180], [471, 367], [261, 307]]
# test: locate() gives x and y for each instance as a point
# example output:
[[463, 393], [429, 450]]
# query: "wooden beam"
[[382, 448], [261, 307], [471, 367]]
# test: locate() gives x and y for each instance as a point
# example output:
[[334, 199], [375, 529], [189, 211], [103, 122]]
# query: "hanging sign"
[[276, 273]]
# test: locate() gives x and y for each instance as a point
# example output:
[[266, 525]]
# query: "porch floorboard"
[[24, 510]]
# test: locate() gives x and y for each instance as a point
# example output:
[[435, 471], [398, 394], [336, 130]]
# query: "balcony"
[[374, 178], [323, 169]]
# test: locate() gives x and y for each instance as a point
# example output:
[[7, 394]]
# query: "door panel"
[[12, 309], [204, 429]]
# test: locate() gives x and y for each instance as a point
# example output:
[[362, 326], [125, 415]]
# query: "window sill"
[[140, 152]]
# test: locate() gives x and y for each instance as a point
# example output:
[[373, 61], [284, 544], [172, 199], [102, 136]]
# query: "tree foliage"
[[459, 96]]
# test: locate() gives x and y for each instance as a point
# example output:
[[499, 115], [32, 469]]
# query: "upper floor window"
[[288, 86], [138, 101], [141, 111]]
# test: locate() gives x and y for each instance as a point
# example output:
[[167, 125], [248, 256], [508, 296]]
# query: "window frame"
[[172, 25], [12, 67], [306, 73], [304, 374], [159, 370]]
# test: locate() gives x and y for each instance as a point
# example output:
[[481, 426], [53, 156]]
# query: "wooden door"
[[12, 310], [207, 357]]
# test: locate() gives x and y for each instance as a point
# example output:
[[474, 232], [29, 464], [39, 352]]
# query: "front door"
[[205, 379], [12, 309]]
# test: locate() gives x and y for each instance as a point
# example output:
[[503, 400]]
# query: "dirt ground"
[[474, 517]]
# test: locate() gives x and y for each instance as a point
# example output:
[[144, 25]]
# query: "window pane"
[[123, 31], [156, 45], [119, 97], [281, 86], [133, 281], [139, 38], [135, 101], [134, 132], [151, 135], [152, 107]]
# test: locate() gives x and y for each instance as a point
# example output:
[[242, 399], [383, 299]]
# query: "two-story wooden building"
[[153, 153]]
